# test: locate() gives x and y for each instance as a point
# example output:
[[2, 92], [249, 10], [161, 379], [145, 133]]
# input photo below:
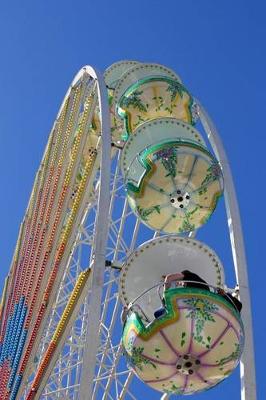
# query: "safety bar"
[[181, 283]]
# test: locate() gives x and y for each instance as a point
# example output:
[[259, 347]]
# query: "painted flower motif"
[[174, 390], [234, 356], [167, 152], [159, 101], [175, 88], [140, 119], [137, 359], [201, 311], [144, 213], [194, 112], [134, 100], [187, 226], [214, 173], [168, 158], [215, 169]]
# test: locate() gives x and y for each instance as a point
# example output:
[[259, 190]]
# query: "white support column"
[[247, 365], [101, 232]]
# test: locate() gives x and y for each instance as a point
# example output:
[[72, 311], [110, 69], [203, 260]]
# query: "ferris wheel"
[[110, 295]]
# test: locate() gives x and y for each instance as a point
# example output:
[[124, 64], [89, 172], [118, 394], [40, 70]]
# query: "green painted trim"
[[143, 81], [214, 296], [172, 314], [147, 164], [124, 114]]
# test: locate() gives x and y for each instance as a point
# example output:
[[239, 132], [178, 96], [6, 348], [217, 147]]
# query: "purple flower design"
[[165, 153]]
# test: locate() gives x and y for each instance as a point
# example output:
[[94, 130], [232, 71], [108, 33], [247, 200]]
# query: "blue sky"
[[218, 49]]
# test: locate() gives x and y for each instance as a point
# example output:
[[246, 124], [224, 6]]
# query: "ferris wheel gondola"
[[197, 338]]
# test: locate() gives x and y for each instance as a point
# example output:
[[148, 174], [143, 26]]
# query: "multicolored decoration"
[[59, 331], [174, 186], [193, 346], [54, 212], [155, 132], [155, 97]]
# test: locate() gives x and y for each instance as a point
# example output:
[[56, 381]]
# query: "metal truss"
[[112, 376]]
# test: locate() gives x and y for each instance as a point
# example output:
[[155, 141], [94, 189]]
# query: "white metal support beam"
[[247, 365], [101, 232]]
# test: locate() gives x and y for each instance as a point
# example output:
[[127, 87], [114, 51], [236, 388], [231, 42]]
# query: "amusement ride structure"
[[109, 293]]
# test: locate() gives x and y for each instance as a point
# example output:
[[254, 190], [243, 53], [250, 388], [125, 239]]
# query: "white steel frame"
[[88, 362], [247, 365]]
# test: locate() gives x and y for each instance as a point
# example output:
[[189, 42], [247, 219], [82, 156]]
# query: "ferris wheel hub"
[[180, 199], [188, 364]]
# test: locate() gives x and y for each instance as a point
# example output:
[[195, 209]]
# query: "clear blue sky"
[[217, 47]]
